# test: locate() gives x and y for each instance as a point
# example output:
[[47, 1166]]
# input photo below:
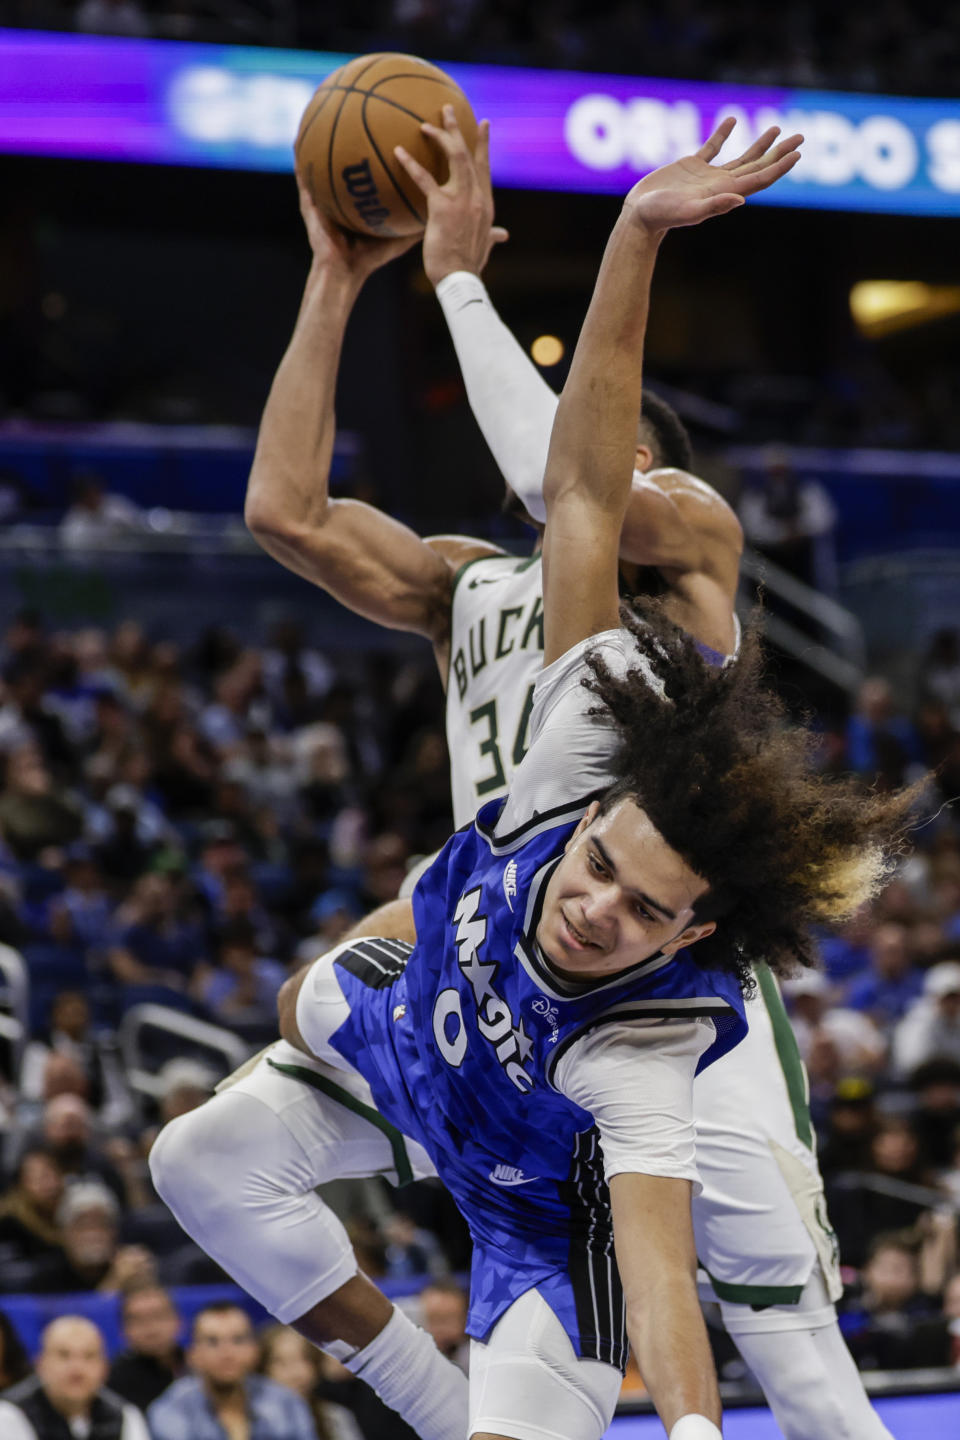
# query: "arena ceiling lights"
[[882, 307], [150, 101]]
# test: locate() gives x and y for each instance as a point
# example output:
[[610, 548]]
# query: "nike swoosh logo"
[[526, 1180], [491, 580]]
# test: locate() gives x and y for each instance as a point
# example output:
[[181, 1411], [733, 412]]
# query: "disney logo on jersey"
[[510, 1175], [510, 1042], [541, 1006], [510, 883]]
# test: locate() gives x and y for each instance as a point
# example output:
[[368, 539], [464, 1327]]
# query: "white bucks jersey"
[[496, 653]]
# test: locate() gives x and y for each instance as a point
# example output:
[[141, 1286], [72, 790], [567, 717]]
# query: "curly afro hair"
[[731, 786]]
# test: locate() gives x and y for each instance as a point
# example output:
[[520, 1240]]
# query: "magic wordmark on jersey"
[[507, 1037]]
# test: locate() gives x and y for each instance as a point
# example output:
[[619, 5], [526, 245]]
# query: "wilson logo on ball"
[[362, 190], [346, 143]]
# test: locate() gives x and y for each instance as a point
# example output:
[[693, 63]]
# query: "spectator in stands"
[[860, 1047], [153, 1358], [891, 984], [239, 700], [851, 1127], [92, 1256], [880, 742], [26, 714], [67, 1131], [34, 811], [183, 1085], [14, 1365], [288, 650], [792, 519], [331, 916], [71, 1034], [937, 1342], [128, 831], [443, 1314], [936, 1119], [67, 1396], [939, 677], [60, 1075], [242, 992], [288, 1359], [930, 1030], [97, 516], [263, 768], [28, 1212], [221, 857], [81, 913], [878, 1325], [154, 944], [223, 1394], [860, 1210]]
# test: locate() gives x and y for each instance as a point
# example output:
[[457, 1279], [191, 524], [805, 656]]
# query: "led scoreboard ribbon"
[[163, 102]]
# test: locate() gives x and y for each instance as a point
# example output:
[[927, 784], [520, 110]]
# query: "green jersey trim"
[[788, 1054], [758, 1296], [401, 1160], [459, 573]]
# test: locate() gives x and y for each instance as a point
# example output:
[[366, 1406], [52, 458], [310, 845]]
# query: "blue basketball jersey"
[[459, 1039]]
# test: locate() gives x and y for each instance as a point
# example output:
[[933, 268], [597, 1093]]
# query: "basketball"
[[344, 148]]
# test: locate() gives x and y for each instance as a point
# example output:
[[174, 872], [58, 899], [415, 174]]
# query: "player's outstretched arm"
[[510, 400], [656, 1256], [590, 461], [369, 562]]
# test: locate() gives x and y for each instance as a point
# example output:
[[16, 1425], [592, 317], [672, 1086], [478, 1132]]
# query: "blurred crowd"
[[891, 46], [186, 824], [198, 1378]]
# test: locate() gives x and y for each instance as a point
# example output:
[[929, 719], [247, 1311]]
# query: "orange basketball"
[[344, 147]]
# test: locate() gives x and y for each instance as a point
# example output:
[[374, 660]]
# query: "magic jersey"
[[463, 1039]]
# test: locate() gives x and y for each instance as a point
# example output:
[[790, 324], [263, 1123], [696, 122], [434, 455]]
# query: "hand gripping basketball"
[[345, 145]]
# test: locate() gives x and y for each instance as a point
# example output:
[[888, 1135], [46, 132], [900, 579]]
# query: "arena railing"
[[198, 1034], [15, 997], [842, 661]]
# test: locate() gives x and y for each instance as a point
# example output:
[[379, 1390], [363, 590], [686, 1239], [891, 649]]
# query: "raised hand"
[[460, 231], [354, 256], [692, 189]]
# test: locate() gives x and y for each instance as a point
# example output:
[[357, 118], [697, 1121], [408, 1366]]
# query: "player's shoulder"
[[460, 550], [700, 502]]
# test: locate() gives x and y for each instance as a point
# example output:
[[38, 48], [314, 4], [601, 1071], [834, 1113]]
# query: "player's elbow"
[[265, 519]]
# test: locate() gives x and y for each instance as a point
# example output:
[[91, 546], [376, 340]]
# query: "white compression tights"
[[239, 1174], [804, 1368]]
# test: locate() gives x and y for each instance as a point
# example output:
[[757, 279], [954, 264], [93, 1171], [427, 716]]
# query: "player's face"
[[619, 895]]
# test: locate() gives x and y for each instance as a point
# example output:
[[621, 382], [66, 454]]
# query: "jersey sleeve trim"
[[569, 811], [688, 1007], [461, 570]]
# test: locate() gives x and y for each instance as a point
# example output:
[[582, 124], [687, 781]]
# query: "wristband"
[[459, 288], [695, 1427]]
